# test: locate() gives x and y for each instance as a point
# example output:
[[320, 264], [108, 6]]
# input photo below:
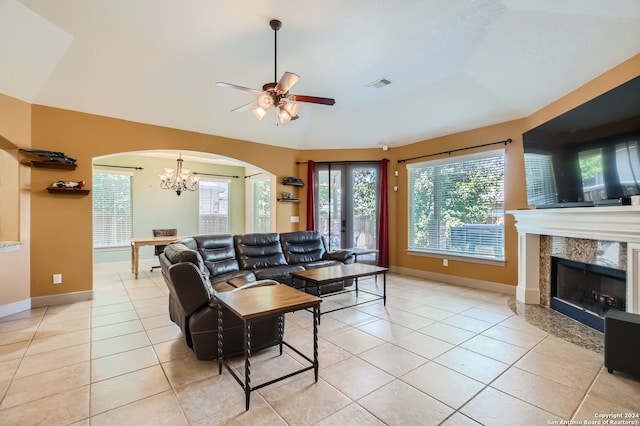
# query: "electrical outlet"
[[445, 262], [295, 219], [57, 278]]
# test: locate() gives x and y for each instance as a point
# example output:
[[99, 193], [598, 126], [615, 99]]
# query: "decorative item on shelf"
[[286, 195], [180, 179], [68, 185], [50, 159], [62, 187], [52, 156], [293, 181]]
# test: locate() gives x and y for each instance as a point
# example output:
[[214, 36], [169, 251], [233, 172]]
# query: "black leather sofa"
[[196, 268]]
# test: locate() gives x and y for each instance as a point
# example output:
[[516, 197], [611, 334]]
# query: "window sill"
[[458, 258], [7, 246]]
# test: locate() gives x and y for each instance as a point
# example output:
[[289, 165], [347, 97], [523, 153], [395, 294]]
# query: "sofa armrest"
[[345, 256], [189, 286], [259, 283]]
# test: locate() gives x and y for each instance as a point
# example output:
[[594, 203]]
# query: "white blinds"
[[456, 205], [111, 209]]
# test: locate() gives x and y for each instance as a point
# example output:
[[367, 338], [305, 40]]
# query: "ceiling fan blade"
[[287, 81], [235, 86], [246, 107], [312, 99]]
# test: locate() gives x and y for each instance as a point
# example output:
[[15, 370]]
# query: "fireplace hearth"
[[586, 291]]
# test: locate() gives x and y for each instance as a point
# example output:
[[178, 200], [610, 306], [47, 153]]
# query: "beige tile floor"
[[436, 354]]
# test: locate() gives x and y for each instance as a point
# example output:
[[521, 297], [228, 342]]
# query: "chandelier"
[[180, 179]]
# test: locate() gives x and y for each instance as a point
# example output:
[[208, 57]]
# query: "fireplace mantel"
[[610, 223], [613, 223]]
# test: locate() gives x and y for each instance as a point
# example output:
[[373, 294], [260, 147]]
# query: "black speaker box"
[[622, 342]]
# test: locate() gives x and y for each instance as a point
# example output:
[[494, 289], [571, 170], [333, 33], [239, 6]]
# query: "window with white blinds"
[[111, 209], [214, 207], [456, 206]]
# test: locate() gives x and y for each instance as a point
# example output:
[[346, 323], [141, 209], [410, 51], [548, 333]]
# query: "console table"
[[257, 303]]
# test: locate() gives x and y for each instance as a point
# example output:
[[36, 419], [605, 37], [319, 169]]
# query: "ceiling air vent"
[[380, 83]]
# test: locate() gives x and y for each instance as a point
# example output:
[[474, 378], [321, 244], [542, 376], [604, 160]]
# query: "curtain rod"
[[213, 174], [505, 142], [119, 167], [340, 162], [255, 174]]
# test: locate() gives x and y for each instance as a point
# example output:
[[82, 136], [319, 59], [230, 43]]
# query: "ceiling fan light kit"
[[277, 94]]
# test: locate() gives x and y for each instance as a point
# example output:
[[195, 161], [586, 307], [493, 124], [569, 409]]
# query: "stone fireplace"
[[607, 236]]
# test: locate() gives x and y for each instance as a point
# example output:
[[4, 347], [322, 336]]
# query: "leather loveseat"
[[196, 268]]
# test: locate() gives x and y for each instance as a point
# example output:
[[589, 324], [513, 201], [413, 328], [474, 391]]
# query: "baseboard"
[[61, 299], [15, 307], [459, 281]]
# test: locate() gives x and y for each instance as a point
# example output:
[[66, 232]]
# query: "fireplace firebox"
[[585, 292]]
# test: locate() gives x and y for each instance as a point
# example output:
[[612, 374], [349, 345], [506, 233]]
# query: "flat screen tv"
[[589, 155]]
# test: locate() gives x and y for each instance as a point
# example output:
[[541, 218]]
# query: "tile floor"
[[436, 354]]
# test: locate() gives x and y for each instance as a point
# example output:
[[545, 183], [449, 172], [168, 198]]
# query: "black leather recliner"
[[192, 306]]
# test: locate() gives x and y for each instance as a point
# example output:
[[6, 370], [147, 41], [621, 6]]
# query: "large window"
[[456, 206], [214, 207], [111, 209]]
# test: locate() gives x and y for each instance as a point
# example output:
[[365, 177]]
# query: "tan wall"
[[61, 224], [15, 132]]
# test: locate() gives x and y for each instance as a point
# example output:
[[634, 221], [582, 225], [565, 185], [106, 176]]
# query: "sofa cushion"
[[218, 253], [258, 251], [302, 246], [278, 273], [321, 264]]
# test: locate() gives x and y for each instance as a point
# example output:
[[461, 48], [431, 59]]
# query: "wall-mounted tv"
[[589, 155]]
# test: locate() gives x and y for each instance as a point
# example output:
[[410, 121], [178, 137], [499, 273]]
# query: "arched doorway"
[[129, 202]]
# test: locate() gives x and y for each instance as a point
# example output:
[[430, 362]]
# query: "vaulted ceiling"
[[454, 65]]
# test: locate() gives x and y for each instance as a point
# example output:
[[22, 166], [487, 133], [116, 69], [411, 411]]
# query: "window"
[[111, 209], [456, 206], [260, 204], [214, 207]]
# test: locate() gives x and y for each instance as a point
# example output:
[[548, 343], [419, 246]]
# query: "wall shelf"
[[53, 165], [68, 191], [289, 200]]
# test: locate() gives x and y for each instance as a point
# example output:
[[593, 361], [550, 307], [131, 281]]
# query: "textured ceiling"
[[454, 64]]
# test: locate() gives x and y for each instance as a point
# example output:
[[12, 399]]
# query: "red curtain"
[[311, 196], [383, 217]]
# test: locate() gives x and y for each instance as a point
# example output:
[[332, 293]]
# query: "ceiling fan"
[[277, 94]]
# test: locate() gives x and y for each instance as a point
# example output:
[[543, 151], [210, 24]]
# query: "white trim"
[[15, 307], [458, 281], [61, 299]]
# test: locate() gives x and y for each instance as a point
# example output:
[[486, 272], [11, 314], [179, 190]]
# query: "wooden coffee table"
[[321, 276], [262, 302]]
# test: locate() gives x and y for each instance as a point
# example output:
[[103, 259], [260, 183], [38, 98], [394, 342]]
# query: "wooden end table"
[[262, 302]]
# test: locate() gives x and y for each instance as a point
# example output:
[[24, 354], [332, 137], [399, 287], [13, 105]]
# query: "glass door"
[[347, 205]]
